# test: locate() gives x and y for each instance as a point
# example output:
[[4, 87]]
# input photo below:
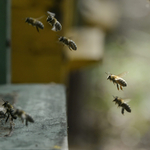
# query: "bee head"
[[27, 19], [5, 104], [115, 98], [61, 38], [109, 77], [49, 18]]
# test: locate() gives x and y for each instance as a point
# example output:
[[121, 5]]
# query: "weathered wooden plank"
[[47, 105]]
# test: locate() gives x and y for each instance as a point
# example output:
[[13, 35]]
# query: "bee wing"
[[122, 110], [127, 100], [40, 18], [114, 96], [51, 14], [122, 74], [2, 101], [108, 73]]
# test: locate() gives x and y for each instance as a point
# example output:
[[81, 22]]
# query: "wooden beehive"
[[36, 57]]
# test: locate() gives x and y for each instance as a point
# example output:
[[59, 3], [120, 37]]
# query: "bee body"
[[121, 103], [71, 44], [56, 26], [34, 22], [117, 80], [9, 110], [24, 116], [121, 81]]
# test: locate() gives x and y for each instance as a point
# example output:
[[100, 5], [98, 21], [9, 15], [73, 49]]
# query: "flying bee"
[[71, 44], [116, 79], [35, 22], [122, 103], [24, 116], [56, 26]]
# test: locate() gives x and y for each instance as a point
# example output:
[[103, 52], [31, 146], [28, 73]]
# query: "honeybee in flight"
[[122, 103], [116, 79], [35, 22], [56, 26], [71, 44], [24, 116]]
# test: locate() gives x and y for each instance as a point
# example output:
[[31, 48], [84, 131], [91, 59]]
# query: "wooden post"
[[4, 41]]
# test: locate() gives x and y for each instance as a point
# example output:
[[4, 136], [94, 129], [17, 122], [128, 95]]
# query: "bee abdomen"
[[126, 107], [58, 26], [73, 45], [40, 25], [29, 118], [122, 82], [122, 111]]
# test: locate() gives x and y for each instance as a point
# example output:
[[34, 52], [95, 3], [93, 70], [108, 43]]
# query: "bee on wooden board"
[[116, 79], [121, 103], [56, 26], [35, 22], [71, 44], [24, 116]]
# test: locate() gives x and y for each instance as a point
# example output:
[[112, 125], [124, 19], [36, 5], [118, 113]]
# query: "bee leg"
[[37, 28], [7, 118], [70, 48], [121, 88], [11, 124], [26, 122], [122, 111], [118, 87], [22, 120], [11, 131]]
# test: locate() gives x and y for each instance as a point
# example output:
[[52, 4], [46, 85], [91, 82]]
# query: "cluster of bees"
[[11, 113], [56, 26], [116, 79]]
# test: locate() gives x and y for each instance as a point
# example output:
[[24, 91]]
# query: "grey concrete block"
[[46, 103]]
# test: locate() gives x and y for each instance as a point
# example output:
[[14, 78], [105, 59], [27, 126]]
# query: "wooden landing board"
[[46, 103]]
